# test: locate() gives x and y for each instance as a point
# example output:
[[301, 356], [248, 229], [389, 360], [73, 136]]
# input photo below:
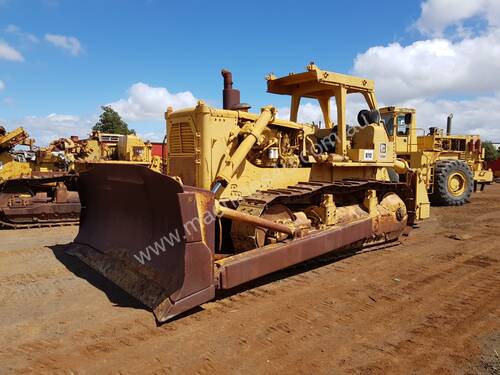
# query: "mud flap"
[[149, 235]]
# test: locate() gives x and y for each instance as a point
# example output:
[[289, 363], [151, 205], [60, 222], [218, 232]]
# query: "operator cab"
[[399, 123]]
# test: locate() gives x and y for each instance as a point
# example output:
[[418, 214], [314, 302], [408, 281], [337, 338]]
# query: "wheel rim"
[[457, 184]]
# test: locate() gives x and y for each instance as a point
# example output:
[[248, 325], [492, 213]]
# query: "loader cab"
[[400, 125]]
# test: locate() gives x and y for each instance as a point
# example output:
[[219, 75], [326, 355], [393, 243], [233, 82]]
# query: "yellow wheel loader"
[[452, 165], [247, 195]]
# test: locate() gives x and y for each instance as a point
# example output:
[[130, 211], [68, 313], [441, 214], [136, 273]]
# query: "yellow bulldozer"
[[38, 185], [452, 165], [247, 194]]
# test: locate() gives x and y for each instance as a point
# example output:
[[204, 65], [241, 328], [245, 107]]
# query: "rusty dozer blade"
[[142, 230]]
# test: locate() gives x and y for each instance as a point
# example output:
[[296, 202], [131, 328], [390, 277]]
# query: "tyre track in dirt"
[[421, 305]]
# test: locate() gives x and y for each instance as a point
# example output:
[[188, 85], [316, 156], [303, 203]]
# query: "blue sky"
[[78, 55]]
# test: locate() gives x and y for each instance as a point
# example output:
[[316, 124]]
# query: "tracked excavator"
[[247, 194]]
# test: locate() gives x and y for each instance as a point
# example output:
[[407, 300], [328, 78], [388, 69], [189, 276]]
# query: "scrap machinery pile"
[[38, 185], [107, 148], [35, 187]]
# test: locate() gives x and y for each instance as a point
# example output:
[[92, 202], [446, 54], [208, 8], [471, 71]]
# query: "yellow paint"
[[422, 149], [205, 143]]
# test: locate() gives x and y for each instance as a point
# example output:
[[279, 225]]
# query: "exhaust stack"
[[448, 124], [230, 96]]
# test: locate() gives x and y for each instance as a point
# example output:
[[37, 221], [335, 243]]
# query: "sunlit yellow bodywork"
[[106, 148], [10, 166], [424, 150], [203, 141], [66, 154], [205, 137]]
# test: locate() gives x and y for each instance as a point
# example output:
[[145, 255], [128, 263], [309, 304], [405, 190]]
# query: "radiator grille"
[[181, 139]]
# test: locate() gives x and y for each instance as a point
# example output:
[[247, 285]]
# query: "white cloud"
[[151, 136], [54, 126], [69, 43], [13, 29], [470, 116], [150, 103], [479, 115], [45, 129], [460, 58], [143, 103], [433, 66], [438, 15], [310, 111], [54, 117], [2, 85], [9, 53]]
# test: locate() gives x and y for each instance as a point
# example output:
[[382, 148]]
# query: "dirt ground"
[[430, 305]]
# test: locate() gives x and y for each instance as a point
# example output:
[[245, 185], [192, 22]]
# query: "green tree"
[[490, 152], [111, 122]]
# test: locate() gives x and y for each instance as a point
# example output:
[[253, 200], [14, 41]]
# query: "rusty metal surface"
[[128, 209], [52, 174], [40, 200], [256, 221], [253, 264], [305, 194], [230, 96], [33, 211]]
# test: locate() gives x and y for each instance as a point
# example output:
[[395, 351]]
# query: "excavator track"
[[50, 203], [305, 194]]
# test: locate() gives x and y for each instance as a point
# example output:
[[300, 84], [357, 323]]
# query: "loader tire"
[[453, 183]]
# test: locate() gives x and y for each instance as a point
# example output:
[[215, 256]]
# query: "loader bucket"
[[145, 232]]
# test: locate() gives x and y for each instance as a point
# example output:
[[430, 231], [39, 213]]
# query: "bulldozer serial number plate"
[[368, 155]]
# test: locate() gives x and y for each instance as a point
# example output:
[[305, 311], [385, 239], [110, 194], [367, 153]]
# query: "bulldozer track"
[[305, 193], [302, 192]]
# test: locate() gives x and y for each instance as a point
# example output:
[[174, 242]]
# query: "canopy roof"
[[316, 83]]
